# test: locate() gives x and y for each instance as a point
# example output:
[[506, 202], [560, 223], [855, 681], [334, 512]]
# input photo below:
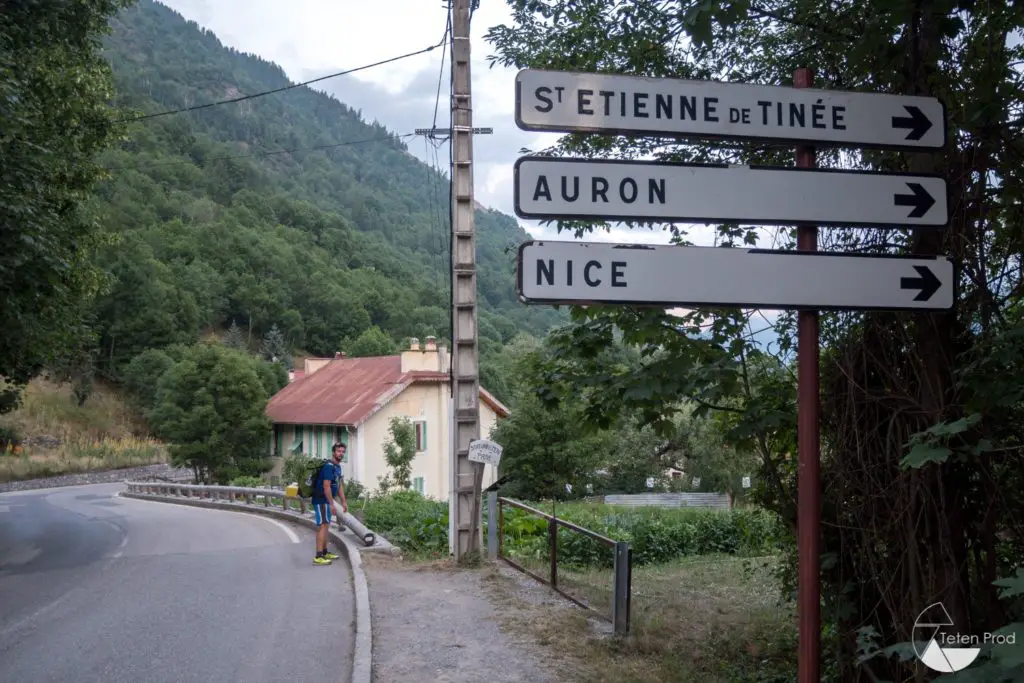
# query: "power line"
[[288, 87], [269, 153], [440, 75]]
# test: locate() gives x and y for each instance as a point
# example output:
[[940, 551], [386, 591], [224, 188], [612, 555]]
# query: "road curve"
[[94, 587]]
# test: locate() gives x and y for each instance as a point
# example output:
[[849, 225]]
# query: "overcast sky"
[[312, 38]]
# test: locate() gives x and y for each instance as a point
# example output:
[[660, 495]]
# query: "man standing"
[[327, 487]]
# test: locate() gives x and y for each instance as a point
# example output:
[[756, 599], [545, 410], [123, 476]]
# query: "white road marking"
[[284, 527], [120, 548]]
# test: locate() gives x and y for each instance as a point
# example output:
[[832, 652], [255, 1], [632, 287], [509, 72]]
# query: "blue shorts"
[[322, 513]]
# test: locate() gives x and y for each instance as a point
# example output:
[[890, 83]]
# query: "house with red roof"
[[352, 401]]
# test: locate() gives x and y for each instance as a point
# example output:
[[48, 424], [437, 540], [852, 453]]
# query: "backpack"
[[312, 478]]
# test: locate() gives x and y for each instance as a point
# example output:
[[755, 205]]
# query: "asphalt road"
[[99, 588]]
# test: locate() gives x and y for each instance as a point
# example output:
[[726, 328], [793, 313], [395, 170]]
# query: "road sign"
[[485, 451], [671, 276], [618, 190], [561, 101]]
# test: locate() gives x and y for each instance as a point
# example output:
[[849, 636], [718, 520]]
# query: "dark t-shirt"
[[329, 472]]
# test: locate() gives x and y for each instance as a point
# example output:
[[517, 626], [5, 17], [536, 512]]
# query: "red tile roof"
[[347, 391]]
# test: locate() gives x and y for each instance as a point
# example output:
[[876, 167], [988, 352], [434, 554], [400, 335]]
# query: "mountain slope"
[[219, 222]]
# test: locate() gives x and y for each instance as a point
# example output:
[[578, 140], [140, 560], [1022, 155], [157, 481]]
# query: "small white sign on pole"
[[650, 482], [486, 452], [746, 482], [696, 482]]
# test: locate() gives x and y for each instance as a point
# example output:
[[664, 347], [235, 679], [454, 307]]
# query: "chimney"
[[431, 344], [442, 358], [414, 344]]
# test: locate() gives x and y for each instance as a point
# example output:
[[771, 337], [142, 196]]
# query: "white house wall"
[[427, 402]]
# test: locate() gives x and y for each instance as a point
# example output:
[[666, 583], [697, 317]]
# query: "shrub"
[[9, 439], [412, 522], [353, 490], [655, 535], [248, 482]]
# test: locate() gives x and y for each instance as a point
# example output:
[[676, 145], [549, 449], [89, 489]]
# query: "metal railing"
[[622, 558], [249, 496]]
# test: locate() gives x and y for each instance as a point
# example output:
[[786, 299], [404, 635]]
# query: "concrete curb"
[[362, 650]]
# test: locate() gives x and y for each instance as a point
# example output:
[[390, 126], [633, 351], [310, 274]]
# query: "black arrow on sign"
[[921, 200], [927, 283], [917, 123]]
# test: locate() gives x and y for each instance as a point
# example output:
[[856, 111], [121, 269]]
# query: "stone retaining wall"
[[183, 476]]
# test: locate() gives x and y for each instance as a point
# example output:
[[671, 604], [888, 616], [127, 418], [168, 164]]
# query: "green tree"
[[373, 341], [275, 349], [54, 118], [546, 446], [399, 452], [634, 456], [142, 376], [74, 361], [235, 339], [893, 386], [209, 407]]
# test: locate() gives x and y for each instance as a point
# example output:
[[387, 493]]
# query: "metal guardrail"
[[623, 557], [247, 495]]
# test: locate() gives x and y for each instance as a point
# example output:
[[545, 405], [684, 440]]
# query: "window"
[[417, 485], [341, 436], [421, 436]]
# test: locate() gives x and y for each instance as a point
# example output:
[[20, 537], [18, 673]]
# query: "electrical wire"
[[277, 90], [440, 75]]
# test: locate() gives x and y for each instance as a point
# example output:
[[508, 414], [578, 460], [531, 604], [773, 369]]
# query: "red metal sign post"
[[808, 455]]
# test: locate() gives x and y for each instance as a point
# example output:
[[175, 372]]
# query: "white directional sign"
[[560, 101], [582, 189], [671, 276]]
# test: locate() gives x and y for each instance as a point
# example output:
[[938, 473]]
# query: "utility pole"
[[466, 476]]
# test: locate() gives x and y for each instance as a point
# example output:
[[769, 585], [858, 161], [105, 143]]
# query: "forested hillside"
[[217, 221]]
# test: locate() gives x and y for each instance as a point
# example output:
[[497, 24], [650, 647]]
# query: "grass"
[[60, 437], [707, 619]]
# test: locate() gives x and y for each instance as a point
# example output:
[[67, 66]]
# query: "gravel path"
[[106, 477], [437, 624]]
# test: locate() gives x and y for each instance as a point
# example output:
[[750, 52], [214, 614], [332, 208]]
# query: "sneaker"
[[330, 556], [321, 560]]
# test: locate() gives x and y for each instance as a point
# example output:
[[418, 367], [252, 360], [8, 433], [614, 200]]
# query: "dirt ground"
[[435, 622], [700, 620]]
